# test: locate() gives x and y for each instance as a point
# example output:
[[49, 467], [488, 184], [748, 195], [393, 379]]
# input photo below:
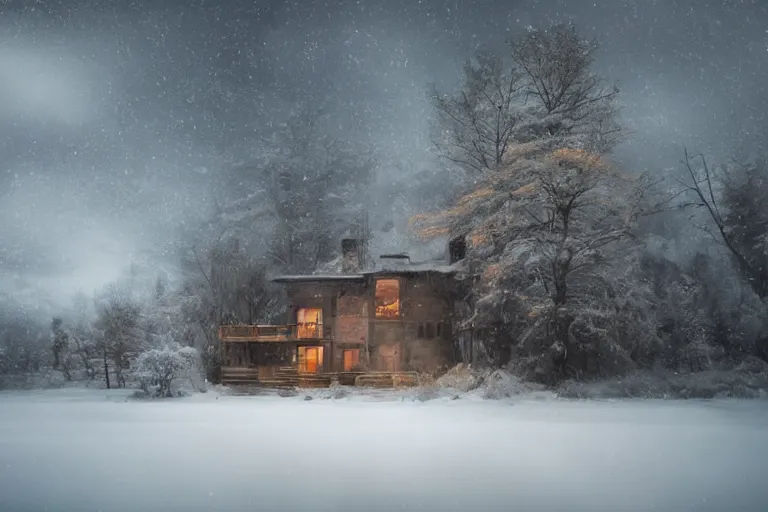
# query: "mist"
[[597, 338], [120, 122]]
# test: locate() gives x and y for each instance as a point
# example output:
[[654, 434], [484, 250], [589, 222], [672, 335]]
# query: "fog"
[[119, 121], [245, 453]]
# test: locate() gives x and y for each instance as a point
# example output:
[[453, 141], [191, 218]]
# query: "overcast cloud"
[[117, 119]]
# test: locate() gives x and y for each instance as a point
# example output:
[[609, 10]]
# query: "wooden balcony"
[[272, 333]]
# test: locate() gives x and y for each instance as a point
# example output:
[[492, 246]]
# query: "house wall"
[[351, 319], [414, 338], [420, 340], [312, 295], [345, 310], [350, 325]]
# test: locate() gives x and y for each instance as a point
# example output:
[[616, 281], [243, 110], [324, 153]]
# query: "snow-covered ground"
[[86, 450]]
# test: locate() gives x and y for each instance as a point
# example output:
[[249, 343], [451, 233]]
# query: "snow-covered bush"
[[461, 378], [502, 384], [158, 367]]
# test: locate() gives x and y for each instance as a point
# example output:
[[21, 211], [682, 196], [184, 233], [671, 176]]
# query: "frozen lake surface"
[[90, 450]]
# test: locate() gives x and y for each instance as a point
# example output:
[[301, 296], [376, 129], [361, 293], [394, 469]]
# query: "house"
[[389, 319]]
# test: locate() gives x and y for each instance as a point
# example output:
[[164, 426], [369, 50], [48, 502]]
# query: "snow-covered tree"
[[541, 234], [735, 199], [158, 367], [571, 101], [543, 91], [477, 125]]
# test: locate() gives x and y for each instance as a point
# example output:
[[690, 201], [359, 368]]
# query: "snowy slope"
[[85, 450]]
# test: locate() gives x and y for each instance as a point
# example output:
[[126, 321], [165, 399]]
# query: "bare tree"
[[736, 201], [82, 335], [62, 349], [477, 125], [118, 320], [316, 185], [557, 66], [85, 349], [224, 286], [60, 346]]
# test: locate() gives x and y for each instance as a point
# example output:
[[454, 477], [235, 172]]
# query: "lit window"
[[310, 359], [351, 359], [387, 298], [310, 323]]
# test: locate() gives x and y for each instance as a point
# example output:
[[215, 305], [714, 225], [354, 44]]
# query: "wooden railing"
[[270, 332]]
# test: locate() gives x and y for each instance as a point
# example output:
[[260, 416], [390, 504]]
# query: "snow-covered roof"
[[394, 266], [386, 266], [308, 278]]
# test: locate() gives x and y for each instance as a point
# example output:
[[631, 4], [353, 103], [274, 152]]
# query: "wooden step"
[[387, 379], [348, 378], [314, 382], [277, 384], [374, 381]]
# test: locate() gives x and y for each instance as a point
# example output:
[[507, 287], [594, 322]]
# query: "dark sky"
[[117, 116]]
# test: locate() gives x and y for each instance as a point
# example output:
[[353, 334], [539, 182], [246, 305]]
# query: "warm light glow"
[[310, 359], [431, 225], [310, 323], [351, 359], [387, 298]]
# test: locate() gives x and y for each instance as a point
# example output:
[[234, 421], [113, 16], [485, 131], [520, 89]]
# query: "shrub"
[[158, 367]]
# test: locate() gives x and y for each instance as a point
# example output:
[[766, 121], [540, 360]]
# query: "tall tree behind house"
[[317, 187], [546, 213], [541, 90]]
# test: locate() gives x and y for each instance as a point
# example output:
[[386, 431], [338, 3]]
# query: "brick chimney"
[[350, 254]]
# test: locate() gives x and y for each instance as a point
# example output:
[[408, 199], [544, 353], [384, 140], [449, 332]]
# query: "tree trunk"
[[55, 358], [106, 367]]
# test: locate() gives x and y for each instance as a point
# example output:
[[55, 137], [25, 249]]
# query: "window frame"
[[301, 326], [355, 351], [399, 298]]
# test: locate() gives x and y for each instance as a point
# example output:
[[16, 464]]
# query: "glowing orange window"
[[310, 322], [387, 298], [351, 359]]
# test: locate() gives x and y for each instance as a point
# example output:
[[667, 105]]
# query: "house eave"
[[316, 278]]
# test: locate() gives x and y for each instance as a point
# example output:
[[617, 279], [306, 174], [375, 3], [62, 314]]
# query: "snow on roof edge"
[[413, 268], [300, 278]]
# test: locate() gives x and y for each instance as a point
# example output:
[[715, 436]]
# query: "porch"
[[289, 377], [284, 377], [272, 333]]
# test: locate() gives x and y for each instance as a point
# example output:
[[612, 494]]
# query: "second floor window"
[[387, 298], [310, 322]]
